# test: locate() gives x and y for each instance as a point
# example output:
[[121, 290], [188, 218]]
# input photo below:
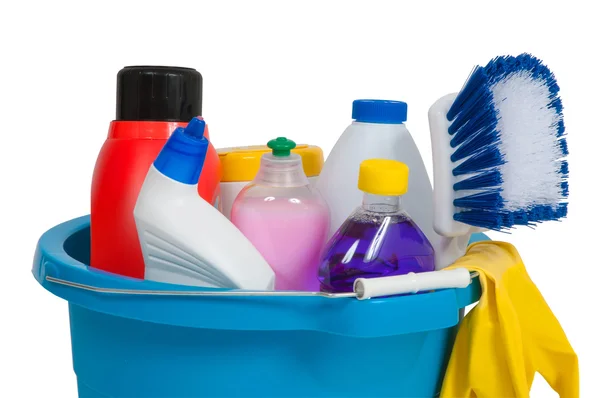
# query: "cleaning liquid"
[[379, 238], [377, 132], [284, 217], [184, 239], [152, 101]]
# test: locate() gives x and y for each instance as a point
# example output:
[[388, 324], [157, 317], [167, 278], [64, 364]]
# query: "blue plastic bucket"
[[128, 346]]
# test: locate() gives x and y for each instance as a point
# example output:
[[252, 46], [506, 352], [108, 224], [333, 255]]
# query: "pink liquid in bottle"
[[290, 234], [284, 218]]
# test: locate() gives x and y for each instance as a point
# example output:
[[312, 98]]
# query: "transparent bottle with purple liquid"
[[379, 238]]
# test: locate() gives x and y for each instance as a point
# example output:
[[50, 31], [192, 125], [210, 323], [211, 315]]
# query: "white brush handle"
[[449, 250], [366, 288], [457, 234], [443, 180]]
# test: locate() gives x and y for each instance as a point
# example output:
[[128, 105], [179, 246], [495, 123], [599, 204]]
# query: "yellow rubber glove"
[[509, 335]]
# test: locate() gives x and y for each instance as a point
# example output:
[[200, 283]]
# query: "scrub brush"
[[499, 151]]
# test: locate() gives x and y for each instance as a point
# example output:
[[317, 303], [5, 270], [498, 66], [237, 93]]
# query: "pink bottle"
[[285, 219]]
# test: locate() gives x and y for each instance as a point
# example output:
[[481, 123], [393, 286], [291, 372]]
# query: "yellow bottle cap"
[[241, 164], [383, 177]]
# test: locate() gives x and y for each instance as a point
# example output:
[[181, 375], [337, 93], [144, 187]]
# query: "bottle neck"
[[381, 203], [281, 172]]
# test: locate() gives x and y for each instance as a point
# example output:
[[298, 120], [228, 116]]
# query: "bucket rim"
[[376, 317]]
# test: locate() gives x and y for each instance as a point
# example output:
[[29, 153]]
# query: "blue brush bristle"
[[476, 83], [520, 218], [486, 179], [560, 128], [482, 200], [484, 139], [563, 146], [564, 167], [562, 210], [487, 158], [476, 140], [564, 186], [480, 218]]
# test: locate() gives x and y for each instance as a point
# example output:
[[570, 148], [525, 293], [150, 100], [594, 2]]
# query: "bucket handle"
[[364, 288]]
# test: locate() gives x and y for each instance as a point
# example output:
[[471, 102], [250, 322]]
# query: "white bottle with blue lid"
[[377, 132], [184, 239]]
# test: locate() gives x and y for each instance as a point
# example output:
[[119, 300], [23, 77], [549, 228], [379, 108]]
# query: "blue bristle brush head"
[[508, 146]]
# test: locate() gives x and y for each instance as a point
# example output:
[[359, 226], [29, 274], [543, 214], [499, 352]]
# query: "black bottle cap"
[[158, 93]]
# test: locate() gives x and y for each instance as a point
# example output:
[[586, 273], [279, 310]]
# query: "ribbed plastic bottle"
[[284, 217], [152, 101], [379, 238]]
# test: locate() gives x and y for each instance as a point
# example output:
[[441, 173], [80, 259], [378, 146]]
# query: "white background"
[[270, 69]]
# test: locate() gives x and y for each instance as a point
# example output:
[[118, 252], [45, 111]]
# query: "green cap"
[[281, 146]]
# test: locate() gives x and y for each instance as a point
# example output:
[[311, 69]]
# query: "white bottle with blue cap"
[[184, 239], [377, 132]]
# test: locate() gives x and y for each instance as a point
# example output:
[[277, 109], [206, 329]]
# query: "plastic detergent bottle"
[[284, 217], [378, 131], [239, 166], [184, 239], [379, 238], [151, 102]]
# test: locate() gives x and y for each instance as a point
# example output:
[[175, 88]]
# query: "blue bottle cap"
[[183, 155], [379, 111]]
